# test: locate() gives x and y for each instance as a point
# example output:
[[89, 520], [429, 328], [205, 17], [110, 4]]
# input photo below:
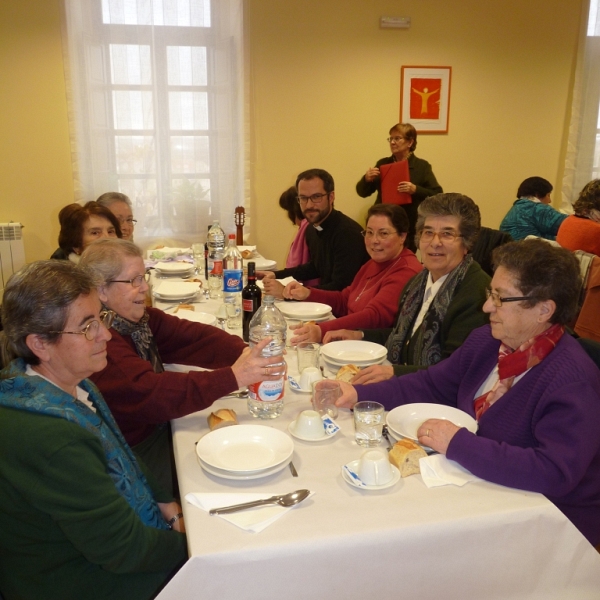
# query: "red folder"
[[391, 175]]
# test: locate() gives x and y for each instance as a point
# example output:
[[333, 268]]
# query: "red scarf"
[[512, 363]]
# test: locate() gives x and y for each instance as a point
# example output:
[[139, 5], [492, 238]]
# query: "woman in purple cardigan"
[[532, 389]]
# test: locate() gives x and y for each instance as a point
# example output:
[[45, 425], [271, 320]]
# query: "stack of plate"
[[355, 352], [305, 311], [174, 269], [198, 317], [404, 421], [244, 451], [174, 291]]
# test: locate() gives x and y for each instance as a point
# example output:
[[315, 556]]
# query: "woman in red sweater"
[[371, 300]]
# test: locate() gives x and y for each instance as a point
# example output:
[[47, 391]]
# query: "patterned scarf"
[[512, 363], [36, 395], [145, 344], [426, 340]]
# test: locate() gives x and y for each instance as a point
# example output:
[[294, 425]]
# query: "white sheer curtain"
[[156, 109], [583, 149]]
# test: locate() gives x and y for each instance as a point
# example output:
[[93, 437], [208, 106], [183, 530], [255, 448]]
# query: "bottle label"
[[248, 305], [267, 391], [217, 268], [232, 281]]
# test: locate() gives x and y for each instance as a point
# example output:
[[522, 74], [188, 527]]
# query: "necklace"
[[374, 278]]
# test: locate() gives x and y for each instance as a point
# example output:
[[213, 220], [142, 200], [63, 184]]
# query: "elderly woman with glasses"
[[422, 182], [141, 394], [370, 301], [80, 517], [440, 306], [120, 206], [533, 389]]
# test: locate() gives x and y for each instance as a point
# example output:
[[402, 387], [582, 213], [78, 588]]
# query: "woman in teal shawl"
[[78, 515]]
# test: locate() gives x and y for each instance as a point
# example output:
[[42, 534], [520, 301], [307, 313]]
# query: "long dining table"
[[481, 540]]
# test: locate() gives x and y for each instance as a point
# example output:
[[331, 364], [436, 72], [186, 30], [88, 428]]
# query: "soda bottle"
[[265, 398], [232, 284], [251, 297]]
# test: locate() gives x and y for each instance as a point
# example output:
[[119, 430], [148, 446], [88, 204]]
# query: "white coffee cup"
[[309, 425], [374, 468], [309, 376]]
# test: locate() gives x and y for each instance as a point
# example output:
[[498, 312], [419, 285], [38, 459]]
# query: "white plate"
[[174, 298], [304, 310], [176, 289], [240, 477], [292, 427], [245, 448], [406, 420], [262, 264], [198, 317], [174, 267], [340, 363], [353, 466], [357, 352]]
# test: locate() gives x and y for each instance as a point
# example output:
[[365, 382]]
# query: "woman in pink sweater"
[[371, 300]]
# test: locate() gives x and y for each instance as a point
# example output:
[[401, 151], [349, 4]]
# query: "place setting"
[[176, 291], [356, 352]]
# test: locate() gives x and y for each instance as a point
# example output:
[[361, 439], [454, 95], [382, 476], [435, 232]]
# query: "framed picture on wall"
[[425, 98]]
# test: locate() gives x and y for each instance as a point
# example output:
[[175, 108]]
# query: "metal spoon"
[[285, 500]]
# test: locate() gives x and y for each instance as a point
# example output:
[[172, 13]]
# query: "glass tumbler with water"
[[368, 423], [265, 398]]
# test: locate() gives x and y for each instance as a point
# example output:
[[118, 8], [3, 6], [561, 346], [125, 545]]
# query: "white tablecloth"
[[481, 541]]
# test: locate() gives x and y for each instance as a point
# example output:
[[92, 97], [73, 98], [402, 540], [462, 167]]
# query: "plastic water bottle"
[[265, 398], [215, 240], [233, 283]]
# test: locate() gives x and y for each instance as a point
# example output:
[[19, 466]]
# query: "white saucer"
[[292, 427], [229, 475], [353, 466], [174, 298]]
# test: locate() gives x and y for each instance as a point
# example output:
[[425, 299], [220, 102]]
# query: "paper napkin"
[[252, 519], [437, 470]]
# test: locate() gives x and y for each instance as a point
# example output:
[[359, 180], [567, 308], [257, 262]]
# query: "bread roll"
[[222, 418], [405, 455], [347, 373], [184, 307]]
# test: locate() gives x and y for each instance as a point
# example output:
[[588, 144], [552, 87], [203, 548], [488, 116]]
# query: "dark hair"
[[111, 197], [72, 219], [37, 300], [452, 205], [324, 176], [534, 187], [408, 132], [289, 202], [544, 272], [396, 214], [589, 199]]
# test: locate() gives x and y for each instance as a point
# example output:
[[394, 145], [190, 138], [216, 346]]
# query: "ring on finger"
[[266, 370], [427, 434]]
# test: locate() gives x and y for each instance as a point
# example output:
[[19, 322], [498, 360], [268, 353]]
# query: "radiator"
[[12, 251]]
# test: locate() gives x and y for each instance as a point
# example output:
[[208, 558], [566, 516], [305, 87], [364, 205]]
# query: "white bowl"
[[305, 311], [405, 420], [176, 289]]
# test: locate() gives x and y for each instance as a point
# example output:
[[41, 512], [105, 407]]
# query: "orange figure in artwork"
[[429, 101]]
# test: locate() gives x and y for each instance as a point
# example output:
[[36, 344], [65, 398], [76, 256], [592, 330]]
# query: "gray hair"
[[111, 197], [105, 257], [452, 205], [37, 300]]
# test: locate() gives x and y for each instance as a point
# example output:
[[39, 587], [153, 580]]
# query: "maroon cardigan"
[[140, 399]]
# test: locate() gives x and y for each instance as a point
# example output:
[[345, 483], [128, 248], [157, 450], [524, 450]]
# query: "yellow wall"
[[324, 90], [36, 178], [325, 84]]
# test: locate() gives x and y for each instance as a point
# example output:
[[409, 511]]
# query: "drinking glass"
[[325, 393], [368, 423], [308, 355], [198, 252]]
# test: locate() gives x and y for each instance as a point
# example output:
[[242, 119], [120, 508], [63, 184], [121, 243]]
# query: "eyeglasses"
[[131, 221], [446, 237], [395, 139], [315, 198], [497, 300], [135, 282], [91, 329], [384, 234]]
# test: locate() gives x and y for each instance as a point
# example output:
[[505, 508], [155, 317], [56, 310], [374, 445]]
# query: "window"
[[158, 113]]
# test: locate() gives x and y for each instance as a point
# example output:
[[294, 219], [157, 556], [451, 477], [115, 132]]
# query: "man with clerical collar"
[[336, 247]]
